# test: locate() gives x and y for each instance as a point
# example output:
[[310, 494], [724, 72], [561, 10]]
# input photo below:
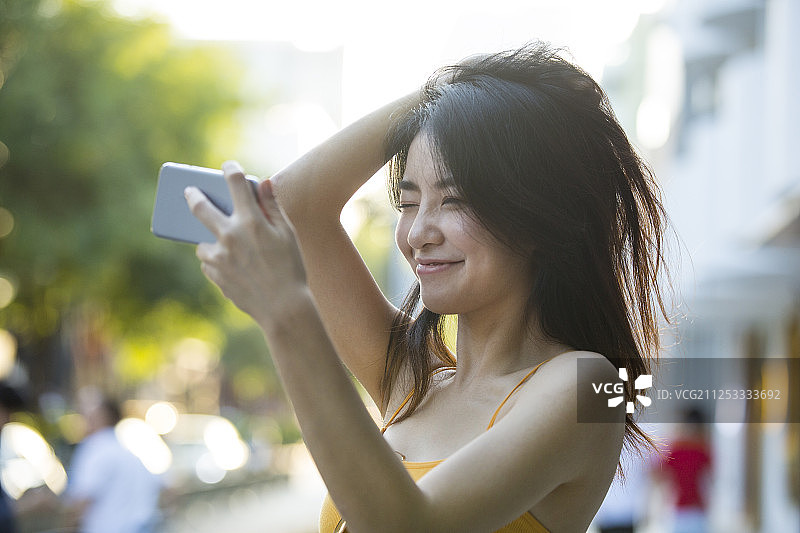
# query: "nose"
[[425, 229]]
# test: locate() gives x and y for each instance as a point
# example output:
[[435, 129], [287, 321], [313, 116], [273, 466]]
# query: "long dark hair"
[[536, 152]]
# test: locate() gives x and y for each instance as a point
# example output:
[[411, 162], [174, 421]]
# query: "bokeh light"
[[8, 353], [6, 218], [28, 461], [227, 449], [72, 427], [208, 471], [7, 292], [194, 359], [162, 417], [143, 441]]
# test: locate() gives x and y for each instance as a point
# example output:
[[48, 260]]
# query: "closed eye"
[[406, 205]]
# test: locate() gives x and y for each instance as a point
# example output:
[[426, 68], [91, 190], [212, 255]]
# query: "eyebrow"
[[441, 184]]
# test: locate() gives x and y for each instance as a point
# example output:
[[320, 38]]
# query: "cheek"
[[401, 238]]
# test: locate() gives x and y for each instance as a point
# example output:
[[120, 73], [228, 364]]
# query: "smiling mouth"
[[435, 267]]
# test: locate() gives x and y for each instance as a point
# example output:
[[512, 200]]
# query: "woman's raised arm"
[[478, 488], [312, 191]]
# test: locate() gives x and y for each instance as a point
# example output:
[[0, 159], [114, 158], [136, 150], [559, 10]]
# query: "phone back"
[[172, 218]]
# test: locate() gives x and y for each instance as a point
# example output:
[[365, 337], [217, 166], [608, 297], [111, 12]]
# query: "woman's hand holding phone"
[[255, 260]]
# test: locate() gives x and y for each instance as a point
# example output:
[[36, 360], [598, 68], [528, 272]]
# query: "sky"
[[414, 37]]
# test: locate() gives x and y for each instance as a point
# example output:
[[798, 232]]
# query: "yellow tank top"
[[330, 521]]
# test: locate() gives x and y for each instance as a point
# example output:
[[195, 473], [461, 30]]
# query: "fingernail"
[[234, 165], [187, 191]]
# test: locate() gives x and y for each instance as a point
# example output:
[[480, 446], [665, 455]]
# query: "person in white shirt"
[[109, 488]]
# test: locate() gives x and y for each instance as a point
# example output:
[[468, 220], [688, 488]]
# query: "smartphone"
[[172, 218]]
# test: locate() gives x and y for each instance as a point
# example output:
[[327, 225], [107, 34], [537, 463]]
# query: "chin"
[[439, 306]]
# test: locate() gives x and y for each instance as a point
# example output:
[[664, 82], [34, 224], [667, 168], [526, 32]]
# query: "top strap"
[[408, 397], [522, 382], [496, 413]]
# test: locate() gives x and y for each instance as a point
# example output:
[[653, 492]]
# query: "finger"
[[210, 272], [205, 211], [206, 251], [240, 187]]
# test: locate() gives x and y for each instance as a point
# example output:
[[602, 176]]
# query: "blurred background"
[[96, 94]]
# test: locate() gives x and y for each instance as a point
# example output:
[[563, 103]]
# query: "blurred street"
[[287, 506]]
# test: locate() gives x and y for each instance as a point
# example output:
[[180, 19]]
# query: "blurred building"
[[293, 101], [709, 91]]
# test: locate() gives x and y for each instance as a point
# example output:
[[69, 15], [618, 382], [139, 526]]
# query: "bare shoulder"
[[577, 367], [558, 388], [570, 376]]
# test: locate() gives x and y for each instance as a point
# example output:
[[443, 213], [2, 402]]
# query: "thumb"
[[269, 205]]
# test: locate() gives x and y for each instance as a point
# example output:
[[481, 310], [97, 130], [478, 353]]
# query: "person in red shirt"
[[687, 467]]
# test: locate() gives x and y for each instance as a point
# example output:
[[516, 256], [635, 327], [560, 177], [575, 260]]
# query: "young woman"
[[524, 211]]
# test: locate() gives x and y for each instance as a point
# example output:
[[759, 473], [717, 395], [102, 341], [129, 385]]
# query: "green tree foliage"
[[90, 105]]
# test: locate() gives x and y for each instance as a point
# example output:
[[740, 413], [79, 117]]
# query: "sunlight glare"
[[142, 440]]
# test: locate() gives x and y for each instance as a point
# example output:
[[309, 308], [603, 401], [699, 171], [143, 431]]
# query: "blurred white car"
[[205, 447]]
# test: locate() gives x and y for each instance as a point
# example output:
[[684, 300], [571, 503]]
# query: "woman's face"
[[460, 266]]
